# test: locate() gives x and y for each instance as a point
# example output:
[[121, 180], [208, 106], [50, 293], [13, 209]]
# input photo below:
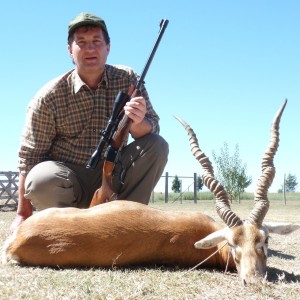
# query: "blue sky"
[[223, 66]]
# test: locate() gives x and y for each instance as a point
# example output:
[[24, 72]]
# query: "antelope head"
[[248, 239]]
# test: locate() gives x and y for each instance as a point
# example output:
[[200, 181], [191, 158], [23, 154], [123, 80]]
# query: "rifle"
[[116, 132]]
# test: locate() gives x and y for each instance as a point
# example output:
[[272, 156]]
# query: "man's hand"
[[136, 109], [19, 219], [25, 209]]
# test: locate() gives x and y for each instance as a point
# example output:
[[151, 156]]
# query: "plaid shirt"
[[65, 118]]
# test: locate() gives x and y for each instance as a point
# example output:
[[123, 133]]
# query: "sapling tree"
[[176, 185], [231, 171], [290, 183]]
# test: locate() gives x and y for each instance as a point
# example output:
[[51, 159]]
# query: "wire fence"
[[9, 182]]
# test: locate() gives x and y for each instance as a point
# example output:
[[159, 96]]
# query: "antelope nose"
[[253, 280]]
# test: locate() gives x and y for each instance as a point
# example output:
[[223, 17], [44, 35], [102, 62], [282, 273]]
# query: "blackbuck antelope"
[[125, 233]]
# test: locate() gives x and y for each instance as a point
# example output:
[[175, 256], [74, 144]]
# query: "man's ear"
[[70, 51], [108, 48]]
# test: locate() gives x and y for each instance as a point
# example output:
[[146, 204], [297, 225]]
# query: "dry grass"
[[18, 282]]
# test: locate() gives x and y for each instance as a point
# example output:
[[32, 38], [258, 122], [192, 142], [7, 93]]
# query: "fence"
[[167, 176], [9, 189]]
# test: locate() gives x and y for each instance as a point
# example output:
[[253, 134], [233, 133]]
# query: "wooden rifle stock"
[[106, 192]]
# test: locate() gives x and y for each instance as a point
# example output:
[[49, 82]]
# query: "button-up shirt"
[[65, 118]]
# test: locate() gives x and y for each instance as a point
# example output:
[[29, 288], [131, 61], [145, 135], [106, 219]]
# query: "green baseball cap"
[[86, 19]]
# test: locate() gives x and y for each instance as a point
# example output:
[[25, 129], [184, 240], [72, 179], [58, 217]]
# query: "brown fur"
[[118, 233]]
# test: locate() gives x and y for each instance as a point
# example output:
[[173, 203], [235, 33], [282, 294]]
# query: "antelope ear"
[[281, 228], [212, 239]]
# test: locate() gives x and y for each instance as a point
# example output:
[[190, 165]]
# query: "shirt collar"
[[79, 83]]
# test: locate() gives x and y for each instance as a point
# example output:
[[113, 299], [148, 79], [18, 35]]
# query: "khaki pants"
[[58, 184]]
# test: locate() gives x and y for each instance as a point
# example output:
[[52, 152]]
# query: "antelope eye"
[[267, 241]]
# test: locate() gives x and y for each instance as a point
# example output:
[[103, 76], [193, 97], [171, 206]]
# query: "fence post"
[[166, 187], [152, 196], [195, 188], [181, 192], [284, 194]]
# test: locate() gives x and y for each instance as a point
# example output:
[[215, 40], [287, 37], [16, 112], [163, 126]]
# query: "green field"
[[174, 197]]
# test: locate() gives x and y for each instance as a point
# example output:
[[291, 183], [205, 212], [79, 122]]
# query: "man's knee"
[[145, 160], [158, 145], [50, 184]]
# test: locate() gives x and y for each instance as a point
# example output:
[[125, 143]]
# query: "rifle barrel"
[[163, 25], [120, 101]]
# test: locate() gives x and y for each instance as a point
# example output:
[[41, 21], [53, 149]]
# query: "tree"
[[176, 185], [290, 183], [231, 172], [243, 182], [199, 183]]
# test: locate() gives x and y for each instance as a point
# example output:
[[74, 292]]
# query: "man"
[[63, 125]]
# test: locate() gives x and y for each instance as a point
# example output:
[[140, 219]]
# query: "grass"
[[173, 197], [19, 282]]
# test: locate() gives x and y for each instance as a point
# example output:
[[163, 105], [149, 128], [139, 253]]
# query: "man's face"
[[89, 50]]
